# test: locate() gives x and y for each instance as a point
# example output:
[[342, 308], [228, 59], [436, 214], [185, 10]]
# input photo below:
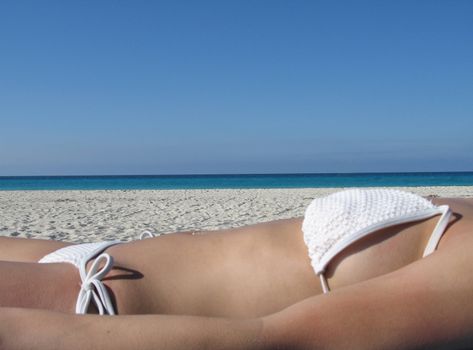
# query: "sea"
[[234, 181]]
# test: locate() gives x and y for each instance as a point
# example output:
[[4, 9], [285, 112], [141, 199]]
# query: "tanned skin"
[[251, 288]]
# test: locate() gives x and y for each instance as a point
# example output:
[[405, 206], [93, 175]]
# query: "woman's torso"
[[260, 269]]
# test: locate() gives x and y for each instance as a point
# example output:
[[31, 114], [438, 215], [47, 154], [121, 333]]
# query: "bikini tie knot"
[[92, 287], [87, 286]]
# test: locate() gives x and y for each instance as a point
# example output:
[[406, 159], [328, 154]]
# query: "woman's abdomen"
[[247, 272], [244, 272]]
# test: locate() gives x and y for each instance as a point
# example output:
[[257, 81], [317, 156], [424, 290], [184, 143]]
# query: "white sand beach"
[[89, 216]]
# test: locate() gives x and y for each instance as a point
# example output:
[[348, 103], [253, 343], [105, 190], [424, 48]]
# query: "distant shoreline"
[[235, 181]]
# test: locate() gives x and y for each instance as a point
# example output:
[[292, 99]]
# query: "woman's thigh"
[[39, 286], [26, 249]]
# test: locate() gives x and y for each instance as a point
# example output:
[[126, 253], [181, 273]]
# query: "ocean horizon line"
[[243, 174], [235, 181]]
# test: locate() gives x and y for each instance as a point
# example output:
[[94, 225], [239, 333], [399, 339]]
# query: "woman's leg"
[[27, 250], [39, 286]]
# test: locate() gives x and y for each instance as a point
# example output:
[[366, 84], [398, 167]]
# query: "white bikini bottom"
[[92, 287]]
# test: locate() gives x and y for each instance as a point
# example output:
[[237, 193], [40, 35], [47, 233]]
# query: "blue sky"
[[185, 87]]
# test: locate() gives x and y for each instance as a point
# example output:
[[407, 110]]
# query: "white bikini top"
[[334, 222]]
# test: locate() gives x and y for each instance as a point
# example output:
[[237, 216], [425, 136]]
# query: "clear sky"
[[186, 87]]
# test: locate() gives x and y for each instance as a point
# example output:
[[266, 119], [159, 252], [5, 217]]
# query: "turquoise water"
[[135, 182]]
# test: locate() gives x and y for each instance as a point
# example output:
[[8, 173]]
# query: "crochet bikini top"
[[334, 222]]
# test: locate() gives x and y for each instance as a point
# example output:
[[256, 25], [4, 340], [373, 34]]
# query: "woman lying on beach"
[[363, 269]]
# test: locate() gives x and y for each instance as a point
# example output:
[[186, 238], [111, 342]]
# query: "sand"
[[90, 216]]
